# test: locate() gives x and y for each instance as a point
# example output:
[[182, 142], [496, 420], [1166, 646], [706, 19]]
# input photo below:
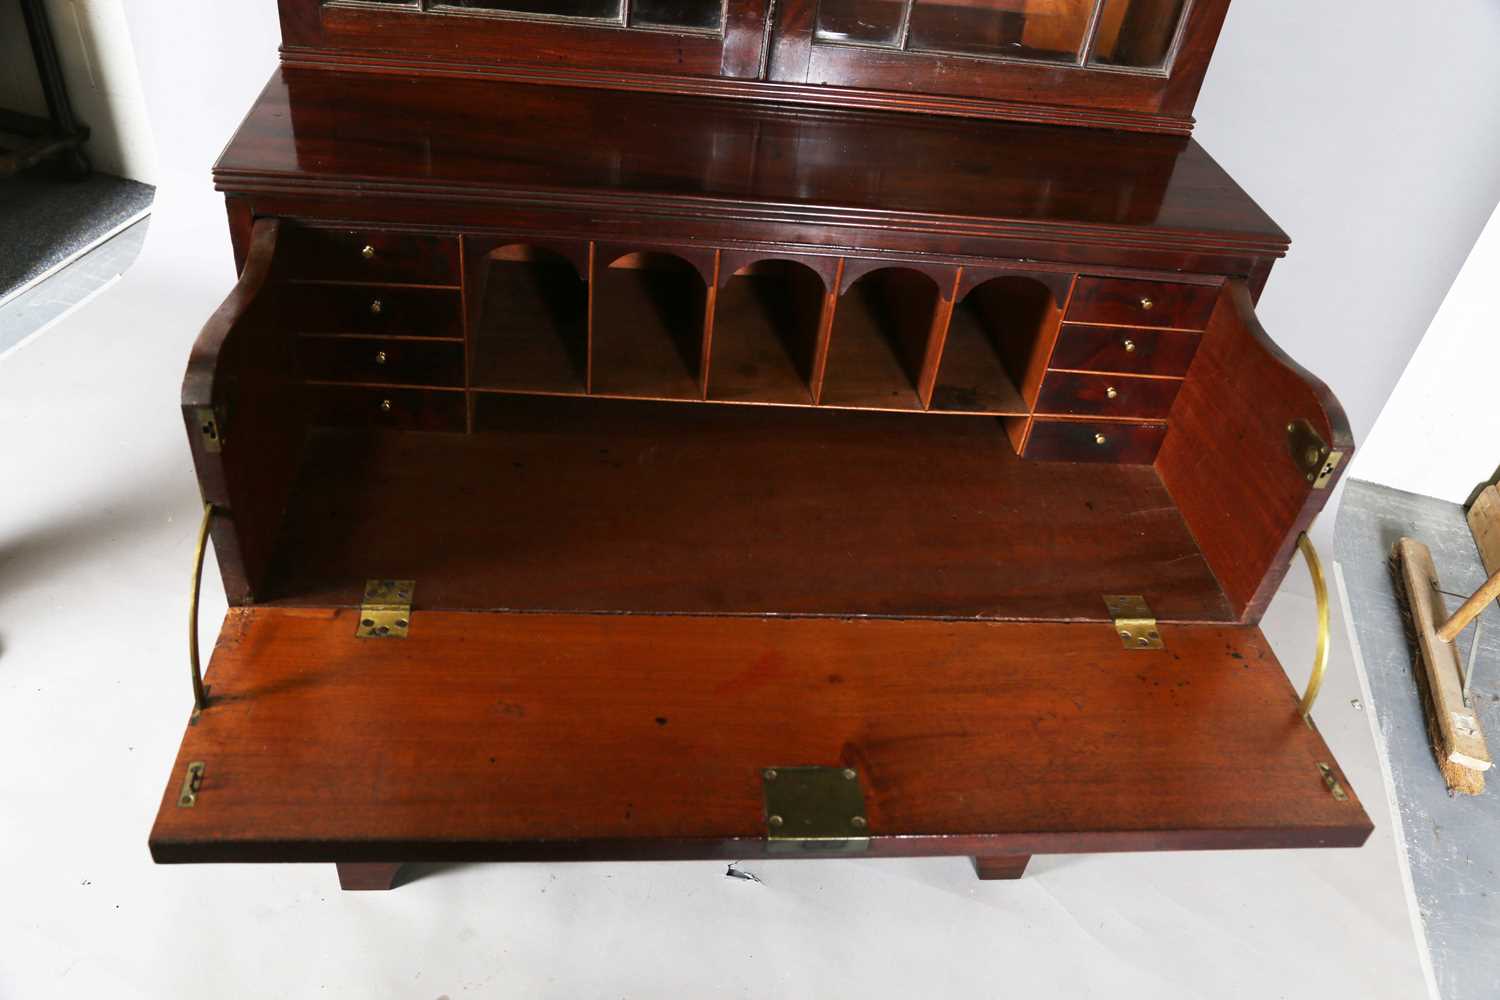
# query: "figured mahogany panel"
[[1247, 503], [560, 503], [946, 181], [494, 736]]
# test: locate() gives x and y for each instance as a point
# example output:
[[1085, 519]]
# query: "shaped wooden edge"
[[1228, 458], [239, 476]]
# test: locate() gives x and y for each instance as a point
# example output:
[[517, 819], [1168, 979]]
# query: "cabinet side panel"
[[1227, 460], [239, 380]]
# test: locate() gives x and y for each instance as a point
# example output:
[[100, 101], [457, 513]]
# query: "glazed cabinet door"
[[693, 38], [1111, 60]]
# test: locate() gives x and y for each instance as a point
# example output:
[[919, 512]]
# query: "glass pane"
[[1024, 29], [678, 13], [1137, 33], [867, 22], [559, 8]]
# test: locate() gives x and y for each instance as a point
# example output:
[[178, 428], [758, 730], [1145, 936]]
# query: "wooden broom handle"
[[1470, 610]]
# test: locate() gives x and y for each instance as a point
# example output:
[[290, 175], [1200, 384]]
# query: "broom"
[[1452, 725]]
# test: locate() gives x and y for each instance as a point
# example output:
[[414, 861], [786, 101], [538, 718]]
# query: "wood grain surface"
[[1226, 459], [492, 736], [607, 505], [666, 155]]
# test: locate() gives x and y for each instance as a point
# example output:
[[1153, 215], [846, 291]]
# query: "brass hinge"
[[1315, 460], [188, 797], [386, 611], [1134, 623], [1331, 782], [815, 809], [210, 434]]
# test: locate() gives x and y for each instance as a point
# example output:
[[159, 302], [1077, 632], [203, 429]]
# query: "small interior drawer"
[[1129, 350], [1095, 441], [381, 359], [406, 409], [1141, 303], [1080, 394], [372, 255], [405, 312]]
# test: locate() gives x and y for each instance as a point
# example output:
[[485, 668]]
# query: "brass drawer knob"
[[1112, 392], [385, 406], [1100, 439], [1148, 303], [1129, 346], [380, 359], [376, 307], [368, 253]]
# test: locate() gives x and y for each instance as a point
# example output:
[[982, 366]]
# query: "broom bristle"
[[1461, 779]]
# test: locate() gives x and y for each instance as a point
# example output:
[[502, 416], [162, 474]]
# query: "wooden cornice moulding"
[[466, 140], [806, 95], [640, 206]]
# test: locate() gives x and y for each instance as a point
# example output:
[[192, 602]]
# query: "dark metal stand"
[[60, 135]]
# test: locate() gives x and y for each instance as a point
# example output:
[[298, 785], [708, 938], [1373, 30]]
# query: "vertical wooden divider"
[[825, 333], [588, 347], [937, 339], [1019, 430], [710, 307], [469, 323]]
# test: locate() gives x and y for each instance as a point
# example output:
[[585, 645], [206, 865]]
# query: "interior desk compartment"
[[649, 316], [529, 307], [996, 341], [768, 320], [882, 334]]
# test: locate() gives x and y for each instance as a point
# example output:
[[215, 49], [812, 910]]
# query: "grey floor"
[[70, 285], [45, 221], [1452, 842]]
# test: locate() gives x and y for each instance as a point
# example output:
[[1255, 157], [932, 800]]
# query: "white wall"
[[1439, 434], [1370, 130], [201, 66], [98, 59]]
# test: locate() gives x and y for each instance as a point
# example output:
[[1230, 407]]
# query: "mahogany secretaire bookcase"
[[726, 428]]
